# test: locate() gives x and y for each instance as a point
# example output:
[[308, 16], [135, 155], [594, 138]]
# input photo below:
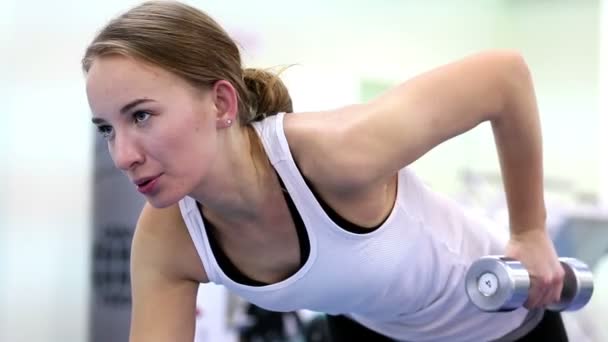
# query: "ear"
[[226, 102]]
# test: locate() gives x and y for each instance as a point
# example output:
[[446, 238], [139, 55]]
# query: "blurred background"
[[66, 218]]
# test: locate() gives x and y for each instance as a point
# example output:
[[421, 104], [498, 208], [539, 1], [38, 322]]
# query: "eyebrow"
[[124, 109]]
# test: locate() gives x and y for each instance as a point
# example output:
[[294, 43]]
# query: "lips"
[[144, 180], [147, 185]]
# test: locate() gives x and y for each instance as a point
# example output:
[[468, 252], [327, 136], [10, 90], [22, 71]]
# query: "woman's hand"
[[535, 250]]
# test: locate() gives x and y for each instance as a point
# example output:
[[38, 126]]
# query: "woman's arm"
[[436, 106], [163, 285], [367, 144]]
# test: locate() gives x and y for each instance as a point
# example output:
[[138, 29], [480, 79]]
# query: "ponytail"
[[268, 95]]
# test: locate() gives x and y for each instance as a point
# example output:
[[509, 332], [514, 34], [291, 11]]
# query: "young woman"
[[313, 210]]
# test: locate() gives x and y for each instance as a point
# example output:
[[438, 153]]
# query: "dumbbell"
[[498, 283]]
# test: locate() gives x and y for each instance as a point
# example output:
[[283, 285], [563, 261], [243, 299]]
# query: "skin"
[[351, 155]]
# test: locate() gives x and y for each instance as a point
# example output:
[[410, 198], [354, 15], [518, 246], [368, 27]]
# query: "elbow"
[[515, 81], [509, 59], [516, 67]]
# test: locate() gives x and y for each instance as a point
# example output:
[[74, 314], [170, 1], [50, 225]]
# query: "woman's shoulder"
[[161, 234], [317, 144], [160, 222]]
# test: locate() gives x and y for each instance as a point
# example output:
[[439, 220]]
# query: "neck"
[[241, 181]]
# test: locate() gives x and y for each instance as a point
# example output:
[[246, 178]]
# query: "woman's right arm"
[[165, 275]]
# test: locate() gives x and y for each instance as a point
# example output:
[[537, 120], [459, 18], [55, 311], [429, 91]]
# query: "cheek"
[[187, 149]]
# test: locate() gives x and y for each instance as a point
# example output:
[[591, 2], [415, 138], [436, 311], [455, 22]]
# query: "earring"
[[228, 122]]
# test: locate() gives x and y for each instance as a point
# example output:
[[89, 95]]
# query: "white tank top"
[[404, 279]]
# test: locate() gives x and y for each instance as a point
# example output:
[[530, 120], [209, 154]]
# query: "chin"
[[161, 202]]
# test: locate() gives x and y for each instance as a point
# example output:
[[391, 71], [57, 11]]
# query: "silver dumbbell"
[[497, 283]]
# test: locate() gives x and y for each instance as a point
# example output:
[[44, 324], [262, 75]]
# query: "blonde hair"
[[189, 43]]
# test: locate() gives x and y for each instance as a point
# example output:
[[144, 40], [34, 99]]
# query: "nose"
[[126, 154]]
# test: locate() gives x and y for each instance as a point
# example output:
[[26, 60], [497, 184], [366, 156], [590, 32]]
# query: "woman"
[[313, 210]]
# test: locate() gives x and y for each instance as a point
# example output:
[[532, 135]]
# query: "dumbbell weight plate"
[[578, 286], [483, 279]]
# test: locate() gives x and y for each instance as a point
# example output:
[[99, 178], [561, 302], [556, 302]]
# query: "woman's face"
[[161, 131]]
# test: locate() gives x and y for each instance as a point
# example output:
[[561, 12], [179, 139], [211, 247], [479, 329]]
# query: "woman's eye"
[[105, 131], [140, 116]]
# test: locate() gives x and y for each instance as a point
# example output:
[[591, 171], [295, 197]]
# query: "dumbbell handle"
[[497, 283]]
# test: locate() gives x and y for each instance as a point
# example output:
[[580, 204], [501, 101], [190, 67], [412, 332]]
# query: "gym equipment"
[[498, 283]]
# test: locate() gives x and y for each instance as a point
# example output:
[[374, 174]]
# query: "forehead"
[[115, 80]]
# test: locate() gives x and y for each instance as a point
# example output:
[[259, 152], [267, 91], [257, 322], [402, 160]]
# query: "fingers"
[[537, 293], [545, 290], [558, 285]]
